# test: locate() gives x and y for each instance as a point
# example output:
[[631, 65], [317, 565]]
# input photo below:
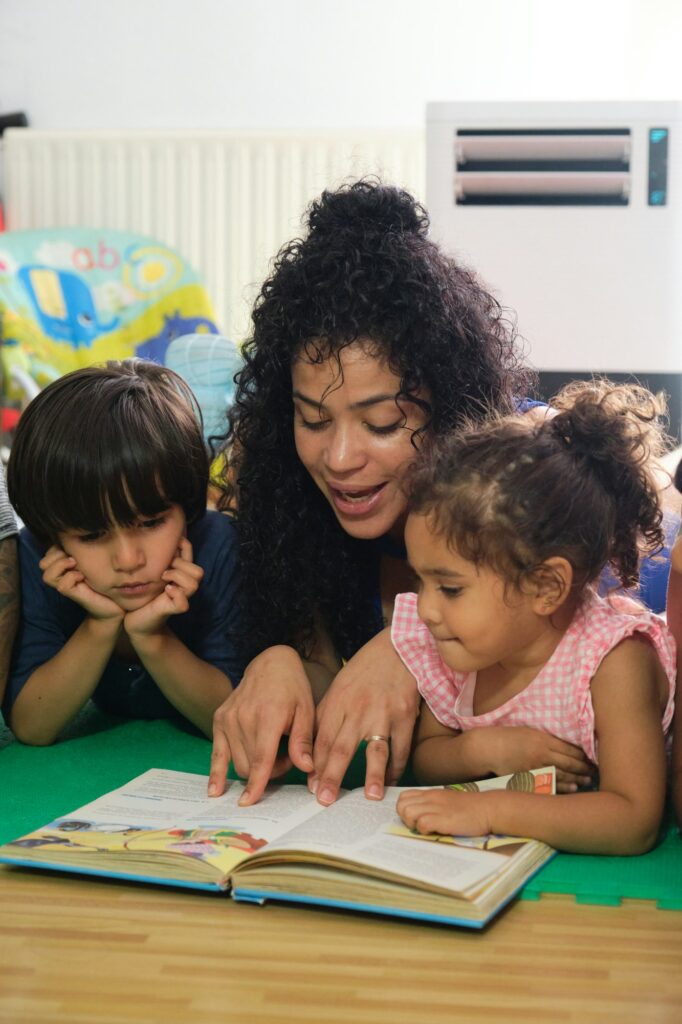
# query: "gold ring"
[[378, 736]]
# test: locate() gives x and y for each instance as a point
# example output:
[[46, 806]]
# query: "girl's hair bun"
[[367, 207]]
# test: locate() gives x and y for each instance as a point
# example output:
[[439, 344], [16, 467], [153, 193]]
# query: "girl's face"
[[354, 438], [125, 563], [475, 621]]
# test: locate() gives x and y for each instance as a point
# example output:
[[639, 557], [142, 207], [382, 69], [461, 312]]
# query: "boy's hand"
[[182, 579], [520, 748], [61, 572], [446, 811]]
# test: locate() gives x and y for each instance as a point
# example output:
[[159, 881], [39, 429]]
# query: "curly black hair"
[[365, 270], [514, 492]]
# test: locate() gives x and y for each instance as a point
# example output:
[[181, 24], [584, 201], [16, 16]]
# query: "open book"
[[161, 827]]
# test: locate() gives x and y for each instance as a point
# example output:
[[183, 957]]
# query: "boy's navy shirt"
[[209, 628]]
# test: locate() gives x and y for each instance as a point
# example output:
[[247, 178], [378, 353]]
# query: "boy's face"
[[474, 622], [125, 563]]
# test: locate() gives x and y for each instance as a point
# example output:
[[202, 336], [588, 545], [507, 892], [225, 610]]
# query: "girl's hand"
[[373, 695], [446, 811], [182, 580], [519, 748], [61, 572], [274, 699]]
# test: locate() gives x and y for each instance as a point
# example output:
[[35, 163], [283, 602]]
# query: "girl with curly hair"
[[366, 340], [510, 526]]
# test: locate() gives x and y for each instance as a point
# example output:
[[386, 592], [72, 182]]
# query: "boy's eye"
[[149, 524], [89, 538]]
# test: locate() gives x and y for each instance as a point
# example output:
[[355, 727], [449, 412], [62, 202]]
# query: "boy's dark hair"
[[577, 485], [104, 445], [367, 270]]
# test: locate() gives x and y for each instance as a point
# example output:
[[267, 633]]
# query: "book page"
[[169, 812], [356, 830]]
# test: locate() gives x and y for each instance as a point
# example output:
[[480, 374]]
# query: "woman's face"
[[354, 438]]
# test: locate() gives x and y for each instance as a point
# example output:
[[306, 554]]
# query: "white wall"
[[322, 63]]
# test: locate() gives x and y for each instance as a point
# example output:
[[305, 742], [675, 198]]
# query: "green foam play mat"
[[98, 754]]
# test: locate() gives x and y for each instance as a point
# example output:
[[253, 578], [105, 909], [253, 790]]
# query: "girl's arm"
[[59, 688], [623, 817], [442, 755]]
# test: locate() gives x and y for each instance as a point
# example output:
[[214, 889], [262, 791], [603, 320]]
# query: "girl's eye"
[[450, 591], [390, 428]]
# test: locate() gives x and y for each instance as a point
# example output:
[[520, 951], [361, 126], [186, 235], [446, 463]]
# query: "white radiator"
[[225, 200]]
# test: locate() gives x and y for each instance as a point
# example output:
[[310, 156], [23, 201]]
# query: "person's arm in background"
[[9, 583], [674, 614]]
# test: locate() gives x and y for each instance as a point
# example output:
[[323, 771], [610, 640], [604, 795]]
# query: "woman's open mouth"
[[356, 501]]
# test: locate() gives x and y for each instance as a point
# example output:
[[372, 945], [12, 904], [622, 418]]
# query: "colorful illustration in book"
[[539, 781], [199, 843]]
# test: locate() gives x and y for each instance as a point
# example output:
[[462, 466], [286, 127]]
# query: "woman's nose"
[[344, 450]]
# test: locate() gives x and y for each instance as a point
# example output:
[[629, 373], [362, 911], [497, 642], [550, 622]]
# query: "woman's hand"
[[373, 695], [61, 572], [520, 748], [273, 700]]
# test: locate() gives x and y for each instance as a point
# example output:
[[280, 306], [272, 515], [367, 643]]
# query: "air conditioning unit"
[[572, 214]]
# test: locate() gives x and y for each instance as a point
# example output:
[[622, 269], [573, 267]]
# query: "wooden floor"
[[94, 952]]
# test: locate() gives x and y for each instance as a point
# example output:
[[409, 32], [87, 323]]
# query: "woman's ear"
[[552, 583]]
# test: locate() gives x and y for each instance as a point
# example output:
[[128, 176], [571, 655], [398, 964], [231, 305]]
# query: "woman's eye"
[[313, 424], [388, 429]]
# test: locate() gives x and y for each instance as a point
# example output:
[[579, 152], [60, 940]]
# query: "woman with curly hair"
[[366, 340]]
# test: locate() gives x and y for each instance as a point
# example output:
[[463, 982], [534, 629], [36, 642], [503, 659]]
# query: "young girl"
[[128, 584], [510, 526]]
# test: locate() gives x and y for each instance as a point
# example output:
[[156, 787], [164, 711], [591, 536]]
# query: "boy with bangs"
[[128, 583]]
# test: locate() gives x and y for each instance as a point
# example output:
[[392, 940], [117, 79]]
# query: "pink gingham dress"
[[559, 699]]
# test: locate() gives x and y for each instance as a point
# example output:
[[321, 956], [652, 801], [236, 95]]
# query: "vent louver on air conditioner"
[[543, 167]]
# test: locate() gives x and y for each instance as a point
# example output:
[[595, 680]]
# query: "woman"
[[366, 339]]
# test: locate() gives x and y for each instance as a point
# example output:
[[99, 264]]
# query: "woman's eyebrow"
[[362, 404]]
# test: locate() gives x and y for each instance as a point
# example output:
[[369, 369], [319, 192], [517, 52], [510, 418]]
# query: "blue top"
[[209, 628]]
